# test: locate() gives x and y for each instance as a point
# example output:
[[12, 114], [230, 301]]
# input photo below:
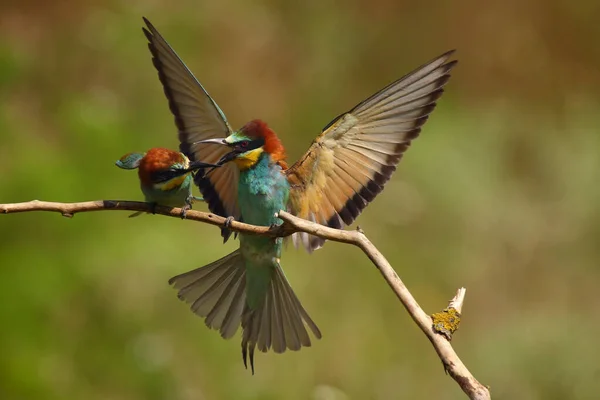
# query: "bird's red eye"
[[244, 144]]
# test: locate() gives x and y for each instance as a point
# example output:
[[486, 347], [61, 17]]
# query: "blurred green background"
[[499, 194]]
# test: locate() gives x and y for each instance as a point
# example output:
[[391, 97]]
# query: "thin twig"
[[452, 363], [458, 300]]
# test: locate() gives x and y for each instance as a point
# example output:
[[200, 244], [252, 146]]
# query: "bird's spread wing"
[[349, 163], [197, 117]]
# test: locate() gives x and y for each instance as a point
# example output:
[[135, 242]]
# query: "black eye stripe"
[[165, 175], [248, 145]]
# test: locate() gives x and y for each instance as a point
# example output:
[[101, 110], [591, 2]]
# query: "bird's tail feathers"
[[279, 323], [216, 292]]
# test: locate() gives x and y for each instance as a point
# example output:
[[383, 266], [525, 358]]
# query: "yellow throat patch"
[[173, 183], [248, 159]]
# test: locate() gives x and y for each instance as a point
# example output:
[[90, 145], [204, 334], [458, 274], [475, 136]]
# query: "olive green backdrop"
[[499, 194]]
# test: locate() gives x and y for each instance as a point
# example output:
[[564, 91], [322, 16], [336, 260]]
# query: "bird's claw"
[[153, 208], [228, 222], [188, 205], [184, 210]]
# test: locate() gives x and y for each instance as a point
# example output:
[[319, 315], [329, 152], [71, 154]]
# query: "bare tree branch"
[[440, 341]]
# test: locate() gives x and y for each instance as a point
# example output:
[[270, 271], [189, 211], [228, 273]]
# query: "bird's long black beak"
[[214, 141], [226, 158], [165, 175], [195, 165]]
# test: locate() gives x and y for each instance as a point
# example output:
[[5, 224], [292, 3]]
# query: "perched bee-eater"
[[344, 169], [165, 176]]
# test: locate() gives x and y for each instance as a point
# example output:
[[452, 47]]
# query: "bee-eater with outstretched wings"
[[344, 169], [165, 176]]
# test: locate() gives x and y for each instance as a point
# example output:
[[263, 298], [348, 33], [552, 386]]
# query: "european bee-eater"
[[344, 169], [165, 176]]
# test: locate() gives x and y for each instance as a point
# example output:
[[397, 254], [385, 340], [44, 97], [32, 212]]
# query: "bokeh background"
[[501, 194]]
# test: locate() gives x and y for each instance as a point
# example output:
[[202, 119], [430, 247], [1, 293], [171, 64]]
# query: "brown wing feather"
[[197, 117], [350, 162]]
